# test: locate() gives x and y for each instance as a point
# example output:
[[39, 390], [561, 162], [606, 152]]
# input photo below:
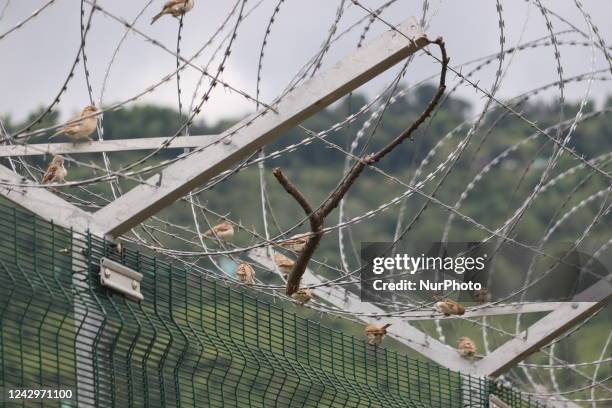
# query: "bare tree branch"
[[318, 216], [316, 227]]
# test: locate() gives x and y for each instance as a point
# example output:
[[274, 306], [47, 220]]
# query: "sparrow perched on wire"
[[175, 8], [466, 347], [448, 307], [223, 231], [82, 126], [482, 296], [285, 265], [375, 334], [56, 172], [302, 296], [296, 243], [246, 273]]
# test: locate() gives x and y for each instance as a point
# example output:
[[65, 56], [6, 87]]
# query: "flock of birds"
[[374, 333], [246, 274], [81, 127], [77, 129]]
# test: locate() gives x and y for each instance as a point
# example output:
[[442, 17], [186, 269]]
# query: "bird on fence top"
[[175, 8], [56, 172], [223, 231], [448, 307], [482, 296], [302, 296], [284, 264], [375, 333], [246, 273], [296, 243], [466, 347], [80, 127]]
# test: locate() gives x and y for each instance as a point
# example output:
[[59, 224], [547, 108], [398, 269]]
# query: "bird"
[[482, 296], [296, 243], [82, 126], [56, 172], [175, 8], [223, 231], [448, 307], [246, 273], [375, 334], [302, 296], [284, 264], [466, 347]]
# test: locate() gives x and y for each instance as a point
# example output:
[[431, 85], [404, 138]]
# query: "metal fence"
[[192, 342]]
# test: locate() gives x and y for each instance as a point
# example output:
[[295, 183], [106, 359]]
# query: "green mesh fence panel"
[[193, 342]]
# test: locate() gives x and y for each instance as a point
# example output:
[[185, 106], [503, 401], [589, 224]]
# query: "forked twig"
[[317, 217]]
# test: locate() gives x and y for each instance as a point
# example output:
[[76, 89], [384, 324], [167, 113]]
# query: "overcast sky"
[[35, 60]]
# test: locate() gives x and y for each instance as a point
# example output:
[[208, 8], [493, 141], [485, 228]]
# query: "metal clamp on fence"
[[121, 279]]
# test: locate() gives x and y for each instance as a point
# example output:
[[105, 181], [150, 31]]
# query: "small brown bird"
[[56, 172], [448, 307], [285, 265], [296, 243], [303, 296], [223, 231], [175, 8], [482, 296], [466, 347], [375, 334], [77, 128], [246, 273]]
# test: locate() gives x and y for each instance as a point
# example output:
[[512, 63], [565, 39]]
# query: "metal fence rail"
[[192, 342]]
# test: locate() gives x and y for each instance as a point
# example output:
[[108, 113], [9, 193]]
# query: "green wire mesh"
[[193, 342]]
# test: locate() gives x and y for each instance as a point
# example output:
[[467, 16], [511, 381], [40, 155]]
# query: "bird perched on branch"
[[466, 347], [296, 243], [223, 231], [285, 265], [56, 172], [246, 273], [302, 296], [175, 8], [482, 296], [448, 307], [375, 334], [82, 126]]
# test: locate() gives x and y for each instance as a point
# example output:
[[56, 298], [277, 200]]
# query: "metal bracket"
[[121, 279]]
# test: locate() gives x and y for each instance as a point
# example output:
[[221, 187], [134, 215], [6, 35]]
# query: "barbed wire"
[[429, 187]]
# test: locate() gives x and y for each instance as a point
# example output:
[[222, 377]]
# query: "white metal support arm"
[[107, 146], [493, 310], [564, 316], [545, 330], [256, 131], [400, 329], [45, 204]]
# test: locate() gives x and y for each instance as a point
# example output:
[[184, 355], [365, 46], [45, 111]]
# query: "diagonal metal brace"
[[258, 130], [538, 335], [45, 204]]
